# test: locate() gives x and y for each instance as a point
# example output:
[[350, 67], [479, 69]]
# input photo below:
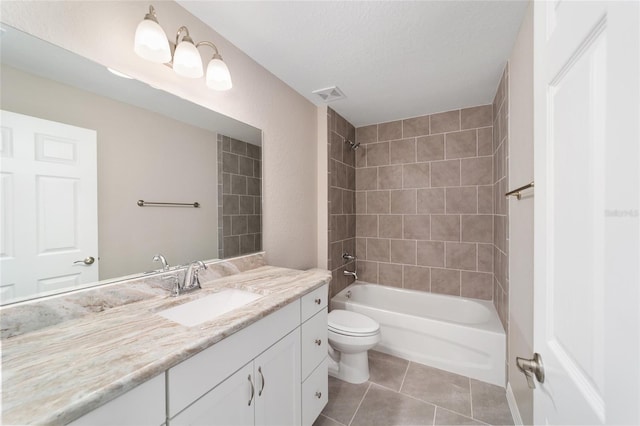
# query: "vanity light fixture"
[[151, 43]]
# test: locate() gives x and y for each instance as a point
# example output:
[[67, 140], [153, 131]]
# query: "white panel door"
[[277, 372], [586, 296], [48, 199]]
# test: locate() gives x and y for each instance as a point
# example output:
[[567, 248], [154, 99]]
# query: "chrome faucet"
[[160, 258], [346, 256], [191, 279], [350, 274]]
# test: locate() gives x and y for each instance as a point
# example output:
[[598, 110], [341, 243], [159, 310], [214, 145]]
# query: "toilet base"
[[352, 368]]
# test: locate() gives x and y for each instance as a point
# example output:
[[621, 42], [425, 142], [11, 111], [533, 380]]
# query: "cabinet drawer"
[[313, 302], [314, 342], [315, 393]]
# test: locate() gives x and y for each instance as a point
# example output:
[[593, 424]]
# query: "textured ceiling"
[[392, 59]]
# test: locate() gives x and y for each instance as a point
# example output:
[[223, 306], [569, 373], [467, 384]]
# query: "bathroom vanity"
[[261, 363]]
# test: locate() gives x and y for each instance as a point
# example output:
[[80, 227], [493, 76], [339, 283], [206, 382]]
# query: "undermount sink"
[[209, 307]]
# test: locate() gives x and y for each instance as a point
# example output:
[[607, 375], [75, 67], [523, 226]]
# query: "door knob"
[[530, 368], [87, 260]]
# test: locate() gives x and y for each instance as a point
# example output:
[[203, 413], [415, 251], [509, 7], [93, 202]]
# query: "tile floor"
[[400, 392]]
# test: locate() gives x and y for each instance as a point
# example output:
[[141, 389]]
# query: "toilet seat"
[[352, 323]]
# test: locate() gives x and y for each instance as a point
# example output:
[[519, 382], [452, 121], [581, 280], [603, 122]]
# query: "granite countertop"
[[55, 374]]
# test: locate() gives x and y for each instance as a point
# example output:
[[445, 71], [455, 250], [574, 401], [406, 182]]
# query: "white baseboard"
[[513, 406]]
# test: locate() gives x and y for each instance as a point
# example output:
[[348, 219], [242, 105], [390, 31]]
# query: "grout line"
[[358, 407], [470, 398], [405, 375], [331, 418]]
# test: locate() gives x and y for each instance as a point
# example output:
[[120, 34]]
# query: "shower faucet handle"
[[347, 256]]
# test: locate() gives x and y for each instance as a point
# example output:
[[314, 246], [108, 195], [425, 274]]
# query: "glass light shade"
[[151, 42], [218, 76], [187, 61]]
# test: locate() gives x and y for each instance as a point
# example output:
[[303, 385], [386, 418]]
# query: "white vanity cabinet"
[[141, 406], [273, 372], [265, 391]]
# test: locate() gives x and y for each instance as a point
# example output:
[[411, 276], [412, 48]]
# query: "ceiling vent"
[[330, 94]]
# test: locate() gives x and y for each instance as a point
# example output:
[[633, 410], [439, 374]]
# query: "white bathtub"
[[456, 334]]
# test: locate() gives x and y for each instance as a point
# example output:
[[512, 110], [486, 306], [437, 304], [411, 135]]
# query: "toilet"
[[351, 335]]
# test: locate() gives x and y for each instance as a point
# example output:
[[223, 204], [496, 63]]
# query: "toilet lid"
[[353, 323]]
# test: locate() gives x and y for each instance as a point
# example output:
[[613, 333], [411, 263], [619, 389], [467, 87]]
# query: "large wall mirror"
[[82, 146]]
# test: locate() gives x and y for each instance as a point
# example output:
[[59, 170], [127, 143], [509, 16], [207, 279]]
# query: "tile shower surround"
[[342, 187], [239, 197], [425, 203]]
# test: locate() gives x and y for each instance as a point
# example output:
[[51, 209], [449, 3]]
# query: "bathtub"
[[456, 334]]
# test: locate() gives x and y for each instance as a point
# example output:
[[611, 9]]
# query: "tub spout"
[[350, 274]]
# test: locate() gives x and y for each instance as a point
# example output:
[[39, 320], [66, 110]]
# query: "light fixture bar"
[[151, 43]]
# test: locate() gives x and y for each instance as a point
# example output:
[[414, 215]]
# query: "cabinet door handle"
[[318, 395], [253, 390], [261, 377], [318, 342], [318, 301]]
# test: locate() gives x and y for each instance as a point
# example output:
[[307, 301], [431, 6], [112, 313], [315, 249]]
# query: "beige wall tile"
[[485, 257], [337, 146], [477, 228], [445, 173], [445, 122], [416, 227], [348, 201], [378, 154], [480, 116], [403, 251], [485, 199], [402, 151], [478, 285], [431, 200], [367, 271], [485, 141], [461, 200], [500, 232], [377, 202], [416, 278], [417, 126], [367, 134], [403, 201], [390, 177], [389, 131], [361, 156], [335, 255], [445, 227], [366, 225], [361, 250], [460, 144], [378, 249], [367, 178], [390, 274], [415, 175], [335, 198], [476, 171], [430, 148], [430, 253], [391, 226], [445, 281], [361, 201], [461, 256]]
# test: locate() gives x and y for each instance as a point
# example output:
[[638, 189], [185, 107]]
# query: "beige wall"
[[104, 31], [520, 340], [129, 236], [424, 203]]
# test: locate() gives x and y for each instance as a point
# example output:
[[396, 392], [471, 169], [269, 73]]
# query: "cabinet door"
[[231, 403], [143, 405], [278, 388]]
